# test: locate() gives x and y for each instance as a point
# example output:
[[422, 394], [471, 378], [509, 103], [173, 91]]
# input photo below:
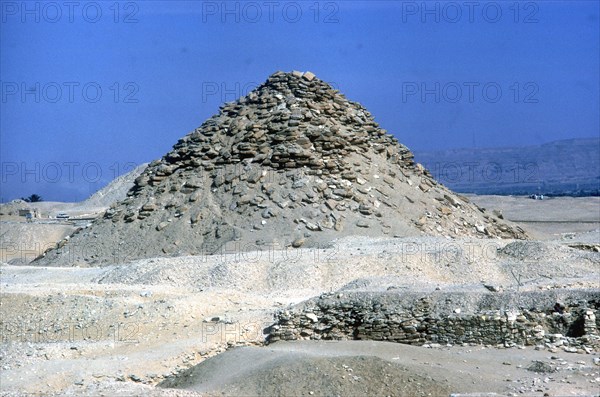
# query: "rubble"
[[294, 148]]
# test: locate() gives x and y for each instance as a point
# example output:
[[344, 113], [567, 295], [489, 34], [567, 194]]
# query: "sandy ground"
[[547, 219], [125, 329], [348, 368], [21, 241]]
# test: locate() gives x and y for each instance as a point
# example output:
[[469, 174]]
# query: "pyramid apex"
[[308, 75]]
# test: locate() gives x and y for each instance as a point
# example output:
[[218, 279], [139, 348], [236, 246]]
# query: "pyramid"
[[292, 164]]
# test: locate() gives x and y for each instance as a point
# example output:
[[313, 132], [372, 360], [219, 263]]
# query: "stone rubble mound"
[[292, 164]]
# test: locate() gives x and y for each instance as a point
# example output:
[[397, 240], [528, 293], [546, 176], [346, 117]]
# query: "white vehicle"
[[62, 215]]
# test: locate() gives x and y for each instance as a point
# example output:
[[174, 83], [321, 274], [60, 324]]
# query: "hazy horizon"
[[93, 89], [110, 173]]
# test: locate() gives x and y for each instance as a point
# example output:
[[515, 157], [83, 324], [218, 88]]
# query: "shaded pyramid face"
[[292, 164]]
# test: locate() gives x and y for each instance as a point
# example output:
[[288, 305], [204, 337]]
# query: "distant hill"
[[115, 190], [567, 167]]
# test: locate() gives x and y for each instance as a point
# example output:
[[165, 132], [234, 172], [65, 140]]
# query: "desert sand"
[[133, 329]]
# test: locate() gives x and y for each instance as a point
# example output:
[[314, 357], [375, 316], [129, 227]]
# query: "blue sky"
[[91, 90]]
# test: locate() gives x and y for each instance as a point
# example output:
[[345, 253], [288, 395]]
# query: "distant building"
[[29, 213]]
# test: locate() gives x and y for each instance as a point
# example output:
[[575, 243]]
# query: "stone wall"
[[508, 319]]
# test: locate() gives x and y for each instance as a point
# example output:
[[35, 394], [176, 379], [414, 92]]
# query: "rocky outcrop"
[[294, 163], [531, 318]]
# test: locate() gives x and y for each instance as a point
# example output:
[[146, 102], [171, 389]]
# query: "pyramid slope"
[[116, 190], [292, 164]]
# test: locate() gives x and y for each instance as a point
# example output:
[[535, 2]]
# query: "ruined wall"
[[532, 318]]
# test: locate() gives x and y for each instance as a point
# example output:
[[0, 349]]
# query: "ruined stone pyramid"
[[292, 164]]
